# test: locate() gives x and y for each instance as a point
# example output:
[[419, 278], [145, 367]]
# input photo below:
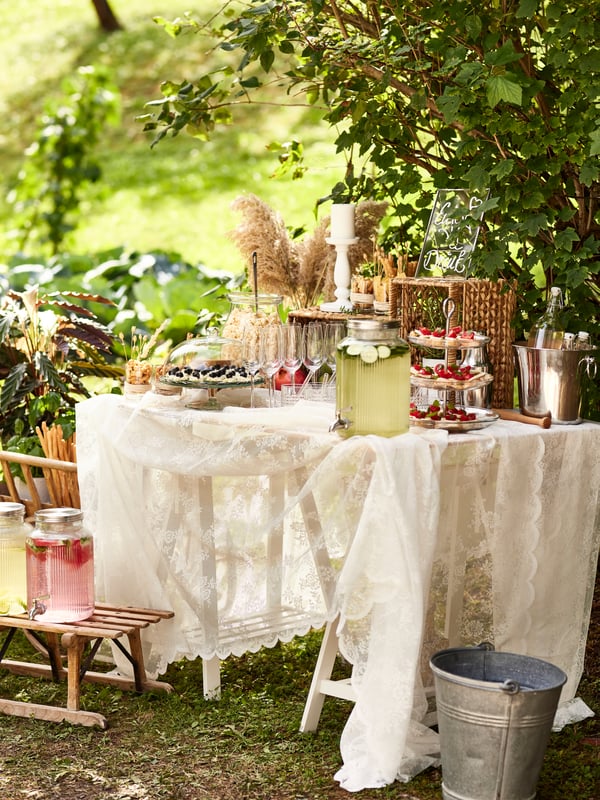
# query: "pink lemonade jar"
[[60, 567]]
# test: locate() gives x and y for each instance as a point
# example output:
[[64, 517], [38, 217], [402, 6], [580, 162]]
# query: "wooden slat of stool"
[[109, 622]]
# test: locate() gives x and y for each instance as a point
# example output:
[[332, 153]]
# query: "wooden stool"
[[107, 622]]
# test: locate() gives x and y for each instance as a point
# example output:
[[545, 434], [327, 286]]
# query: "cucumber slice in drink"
[[369, 354]]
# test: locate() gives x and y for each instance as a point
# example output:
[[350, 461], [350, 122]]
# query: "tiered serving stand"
[[425, 390]]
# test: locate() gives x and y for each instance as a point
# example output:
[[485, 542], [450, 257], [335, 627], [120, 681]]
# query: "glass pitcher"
[[60, 567], [372, 379], [13, 581]]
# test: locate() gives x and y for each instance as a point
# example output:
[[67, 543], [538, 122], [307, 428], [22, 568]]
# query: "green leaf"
[[527, 8], [534, 223], [173, 29], [503, 168], [11, 385], [449, 105], [589, 171], [267, 57], [565, 239], [473, 26], [499, 88], [250, 83], [502, 55]]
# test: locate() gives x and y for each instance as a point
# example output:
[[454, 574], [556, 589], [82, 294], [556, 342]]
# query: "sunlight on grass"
[[177, 196]]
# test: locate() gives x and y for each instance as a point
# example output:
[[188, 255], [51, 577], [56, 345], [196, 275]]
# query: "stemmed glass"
[[251, 355], [271, 356], [292, 351], [313, 348], [334, 333]]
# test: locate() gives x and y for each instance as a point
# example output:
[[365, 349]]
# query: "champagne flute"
[[271, 356], [251, 355], [292, 351], [334, 333], [313, 348]]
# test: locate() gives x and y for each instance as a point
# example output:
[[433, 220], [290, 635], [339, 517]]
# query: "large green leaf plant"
[[49, 344]]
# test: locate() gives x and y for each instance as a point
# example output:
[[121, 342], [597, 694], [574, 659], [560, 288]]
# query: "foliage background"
[[175, 198], [500, 96]]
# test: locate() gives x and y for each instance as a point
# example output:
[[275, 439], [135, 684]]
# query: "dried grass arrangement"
[[299, 270]]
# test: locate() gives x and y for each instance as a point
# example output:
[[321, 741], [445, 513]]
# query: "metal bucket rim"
[[582, 352], [559, 679]]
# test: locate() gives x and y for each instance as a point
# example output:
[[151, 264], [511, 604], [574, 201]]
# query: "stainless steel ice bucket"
[[495, 712], [550, 381]]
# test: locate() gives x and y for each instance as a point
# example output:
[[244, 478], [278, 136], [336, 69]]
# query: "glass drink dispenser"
[[60, 567]]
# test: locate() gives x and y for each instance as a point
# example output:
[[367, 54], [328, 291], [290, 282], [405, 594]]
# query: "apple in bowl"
[[283, 378]]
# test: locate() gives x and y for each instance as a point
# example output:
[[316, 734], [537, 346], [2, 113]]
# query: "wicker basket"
[[484, 305]]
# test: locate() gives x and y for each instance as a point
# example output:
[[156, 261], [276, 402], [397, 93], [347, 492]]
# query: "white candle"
[[342, 221]]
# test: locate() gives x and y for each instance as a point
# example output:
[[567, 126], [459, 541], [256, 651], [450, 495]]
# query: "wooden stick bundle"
[[62, 486]]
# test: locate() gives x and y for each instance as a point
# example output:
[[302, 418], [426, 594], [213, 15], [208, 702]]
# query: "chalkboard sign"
[[451, 234]]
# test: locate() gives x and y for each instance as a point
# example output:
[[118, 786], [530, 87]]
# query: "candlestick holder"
[[341, 276]]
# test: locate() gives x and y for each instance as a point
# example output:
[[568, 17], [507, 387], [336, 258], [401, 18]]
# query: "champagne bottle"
[[548, 331]]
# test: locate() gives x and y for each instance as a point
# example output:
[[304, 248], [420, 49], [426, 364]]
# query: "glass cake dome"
[[210, 361]]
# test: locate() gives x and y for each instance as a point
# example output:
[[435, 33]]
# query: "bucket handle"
[[509, 686], [589, 366]]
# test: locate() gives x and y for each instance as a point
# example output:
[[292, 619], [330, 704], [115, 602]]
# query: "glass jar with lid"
[[372, 379], [13, 579], [251, 311], [60, 567]]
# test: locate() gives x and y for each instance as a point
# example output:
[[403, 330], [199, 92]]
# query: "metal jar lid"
[[373, 325], [16, 510], [51, 516]]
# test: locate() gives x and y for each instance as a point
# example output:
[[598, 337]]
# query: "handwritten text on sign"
[[451, 233]]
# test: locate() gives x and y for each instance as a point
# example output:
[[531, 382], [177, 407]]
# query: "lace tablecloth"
[[254, 525]]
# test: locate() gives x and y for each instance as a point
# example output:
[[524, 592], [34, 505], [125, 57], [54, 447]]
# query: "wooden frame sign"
[[451, 233]]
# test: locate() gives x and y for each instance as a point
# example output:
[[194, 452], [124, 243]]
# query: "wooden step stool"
[[107, 622]]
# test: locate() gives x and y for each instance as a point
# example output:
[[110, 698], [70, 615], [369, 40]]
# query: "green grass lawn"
[[174, 197]]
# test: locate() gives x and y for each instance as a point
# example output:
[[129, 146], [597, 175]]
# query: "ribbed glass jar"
[[60, 567], [373, 379], [13, 577]]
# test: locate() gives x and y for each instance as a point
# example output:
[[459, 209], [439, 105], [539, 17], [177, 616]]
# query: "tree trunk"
[[106, 16]]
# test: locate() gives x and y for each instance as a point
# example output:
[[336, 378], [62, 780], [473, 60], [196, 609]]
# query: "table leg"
[[321, 684], [74, 646], [211, 678], [275, 541], [314, 531], [211, 667]]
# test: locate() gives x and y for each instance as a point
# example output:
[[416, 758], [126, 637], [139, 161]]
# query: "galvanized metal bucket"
[[495, 712], [550, 381]]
